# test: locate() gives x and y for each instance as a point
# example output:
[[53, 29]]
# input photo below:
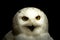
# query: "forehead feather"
[[30, 12]]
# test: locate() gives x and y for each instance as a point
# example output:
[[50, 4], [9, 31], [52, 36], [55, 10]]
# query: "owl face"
[[31, 20]]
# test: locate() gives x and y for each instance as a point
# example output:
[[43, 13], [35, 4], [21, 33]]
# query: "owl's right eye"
[[24, 18]]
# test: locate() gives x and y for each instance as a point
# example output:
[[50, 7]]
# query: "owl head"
[[31, 21]]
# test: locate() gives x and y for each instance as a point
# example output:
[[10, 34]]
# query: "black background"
[[9, 8]]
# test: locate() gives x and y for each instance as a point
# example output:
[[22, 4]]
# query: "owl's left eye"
[[24, 18], [38, 17]]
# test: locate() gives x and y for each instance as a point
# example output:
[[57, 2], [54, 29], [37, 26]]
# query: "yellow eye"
[[38, 17], [24, 18]]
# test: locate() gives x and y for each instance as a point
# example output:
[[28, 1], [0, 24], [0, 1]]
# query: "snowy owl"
[[29, 23]]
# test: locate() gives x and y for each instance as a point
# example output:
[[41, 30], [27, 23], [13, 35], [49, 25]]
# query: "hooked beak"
[[31, 27]]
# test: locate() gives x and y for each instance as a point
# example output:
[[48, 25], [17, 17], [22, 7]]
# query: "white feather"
[[40, 31]]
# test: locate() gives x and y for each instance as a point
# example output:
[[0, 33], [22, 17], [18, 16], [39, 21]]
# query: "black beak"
[[31, 27]]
